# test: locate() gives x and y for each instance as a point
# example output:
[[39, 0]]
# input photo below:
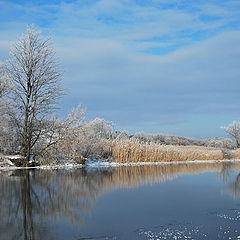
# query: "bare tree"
[[61, 139], [35, 80], [2, 88], [100, 128], [233, 131], [3, 82]]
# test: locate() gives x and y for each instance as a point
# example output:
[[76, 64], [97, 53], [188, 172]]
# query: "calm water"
[[197, 201]]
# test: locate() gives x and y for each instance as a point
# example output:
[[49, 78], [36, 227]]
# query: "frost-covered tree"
[[8, 132], [4, 84], [122, 135], [2, 88], [62, 138], [233, 131], [223, 143], [100, 128], [34, 76], [94, 138]]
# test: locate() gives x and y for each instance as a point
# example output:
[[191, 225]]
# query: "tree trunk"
[[28, 226], [27, 132]]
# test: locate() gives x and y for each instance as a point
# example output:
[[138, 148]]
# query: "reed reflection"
[[33, 203], [231, 178]]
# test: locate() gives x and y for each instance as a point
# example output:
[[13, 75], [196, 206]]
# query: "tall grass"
[[132, 150], [235, 154]]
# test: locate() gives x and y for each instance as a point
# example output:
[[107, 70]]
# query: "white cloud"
[[101, 46], [108, 66]]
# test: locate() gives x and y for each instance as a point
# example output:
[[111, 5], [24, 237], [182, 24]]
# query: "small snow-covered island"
[[31, 135]]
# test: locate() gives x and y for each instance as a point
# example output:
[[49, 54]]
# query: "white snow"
[[57, 166], [13, 156], [60, 166], [105, 164], [9, 162]]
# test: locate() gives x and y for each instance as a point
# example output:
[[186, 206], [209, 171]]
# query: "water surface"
[[185, 201]]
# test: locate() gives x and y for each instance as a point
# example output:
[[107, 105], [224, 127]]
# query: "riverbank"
[[136, 153], [107, 164]]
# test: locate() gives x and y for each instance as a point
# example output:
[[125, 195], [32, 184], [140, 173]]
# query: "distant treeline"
[[184, 141], [94, 139]]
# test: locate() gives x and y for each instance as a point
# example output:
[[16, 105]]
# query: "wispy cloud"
[[143, 64]]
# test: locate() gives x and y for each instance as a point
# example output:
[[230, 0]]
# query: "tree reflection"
[[28, 226], [19, 214], [33, 204], [227, 177], [226, 171], [234, 187]]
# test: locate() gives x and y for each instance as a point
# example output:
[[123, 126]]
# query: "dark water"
[[197, 201]]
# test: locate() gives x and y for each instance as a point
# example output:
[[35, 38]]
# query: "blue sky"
[[157, 66]]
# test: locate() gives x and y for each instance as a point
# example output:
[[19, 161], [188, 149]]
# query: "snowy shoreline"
[[115, 164], [106, 164]]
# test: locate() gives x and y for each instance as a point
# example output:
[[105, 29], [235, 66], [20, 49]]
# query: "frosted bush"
[[99, 128], [9, 137], [220, 143], [122, 135], [233, 131]]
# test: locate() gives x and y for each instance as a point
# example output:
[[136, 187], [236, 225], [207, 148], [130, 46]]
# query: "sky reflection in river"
[[185, 201]]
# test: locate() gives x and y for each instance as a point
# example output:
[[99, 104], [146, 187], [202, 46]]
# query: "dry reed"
[[132, 150], [235, 154]]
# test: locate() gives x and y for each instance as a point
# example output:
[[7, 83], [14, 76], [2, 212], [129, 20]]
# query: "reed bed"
[[235, 154], [132, 150]]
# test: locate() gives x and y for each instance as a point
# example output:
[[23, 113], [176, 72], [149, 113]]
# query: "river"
[[184, 201]]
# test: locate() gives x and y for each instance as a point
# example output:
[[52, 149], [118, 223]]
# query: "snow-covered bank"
[[47, 167], [106, 164], [61, 166], [8, 163], [99, 163]]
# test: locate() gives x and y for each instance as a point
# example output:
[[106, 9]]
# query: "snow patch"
[[13, 157], [47, 167], [106, 164], [97, 163], [9, 162]]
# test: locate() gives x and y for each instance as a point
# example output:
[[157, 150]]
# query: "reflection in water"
[[226, 171], [234, 187], [232, 180], [31, 202]]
